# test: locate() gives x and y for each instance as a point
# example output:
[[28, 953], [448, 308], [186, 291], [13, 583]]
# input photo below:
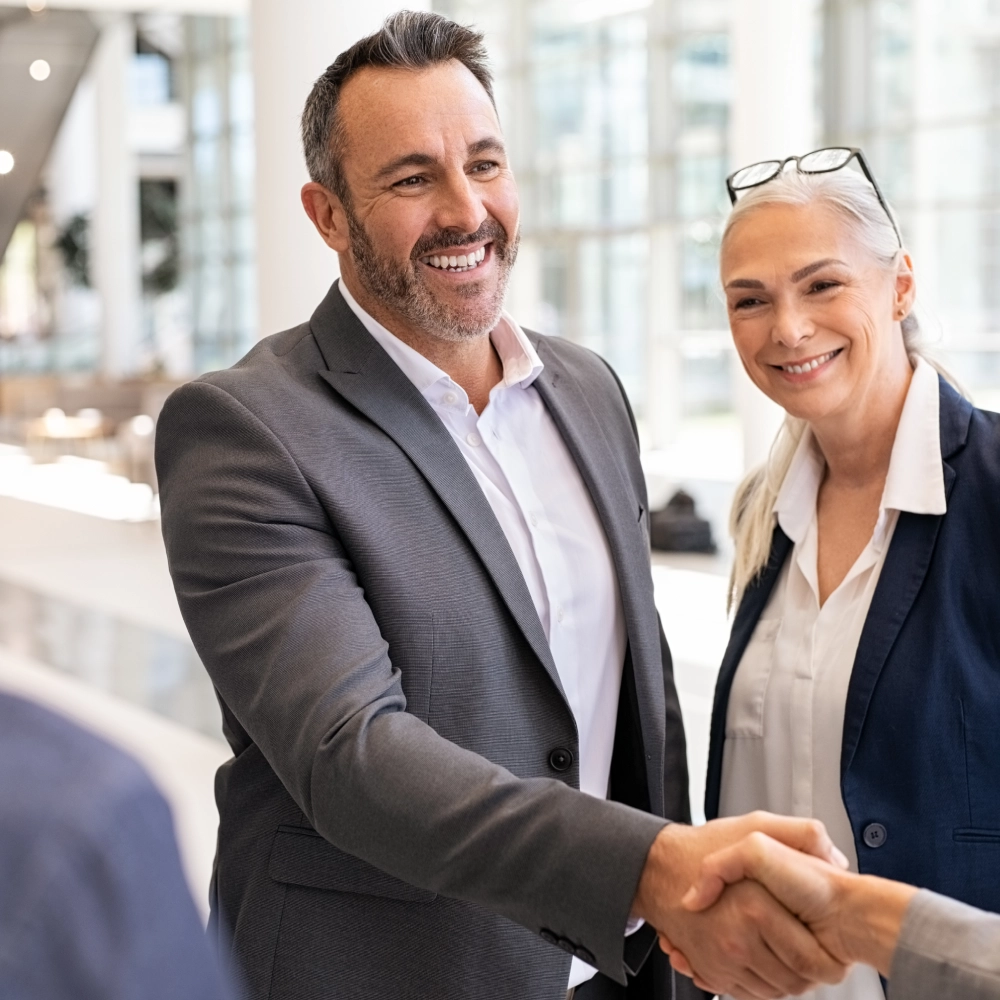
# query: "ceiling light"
[[6, 162], [39, 70], [36, 6]]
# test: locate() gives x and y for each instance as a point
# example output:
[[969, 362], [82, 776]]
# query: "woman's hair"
[[851, 197]]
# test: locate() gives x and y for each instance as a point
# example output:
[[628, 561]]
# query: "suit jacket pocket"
[[300, 856], [974, 835]]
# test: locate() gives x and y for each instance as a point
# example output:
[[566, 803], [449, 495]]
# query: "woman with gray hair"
[[862, 678]]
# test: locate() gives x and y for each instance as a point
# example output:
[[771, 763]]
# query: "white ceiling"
[[160, 6]]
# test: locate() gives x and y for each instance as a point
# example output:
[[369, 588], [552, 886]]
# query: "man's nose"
[[460, 206]]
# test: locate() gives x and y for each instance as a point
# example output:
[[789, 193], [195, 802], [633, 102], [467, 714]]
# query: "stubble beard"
[[402, 288]]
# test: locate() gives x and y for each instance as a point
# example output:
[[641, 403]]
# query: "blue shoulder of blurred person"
[[95, 906]]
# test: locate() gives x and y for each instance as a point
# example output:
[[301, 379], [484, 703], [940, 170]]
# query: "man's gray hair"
[[407, 40]]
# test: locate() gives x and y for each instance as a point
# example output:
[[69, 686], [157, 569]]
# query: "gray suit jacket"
[[946, 949], [392, 822]]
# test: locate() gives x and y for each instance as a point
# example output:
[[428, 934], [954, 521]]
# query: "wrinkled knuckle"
[[734, 948]]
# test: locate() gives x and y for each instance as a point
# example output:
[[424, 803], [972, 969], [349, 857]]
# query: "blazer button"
[[561, 759], [875, 835]]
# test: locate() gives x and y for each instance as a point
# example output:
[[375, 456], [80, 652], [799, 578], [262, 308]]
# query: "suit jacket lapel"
[[906, 565], [751, 607], [363, 374], [566, 400]]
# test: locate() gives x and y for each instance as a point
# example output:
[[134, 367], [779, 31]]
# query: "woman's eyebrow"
[[745, 283], [804, 272]]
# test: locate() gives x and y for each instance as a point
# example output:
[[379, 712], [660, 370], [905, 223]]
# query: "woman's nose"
[[791, 327]]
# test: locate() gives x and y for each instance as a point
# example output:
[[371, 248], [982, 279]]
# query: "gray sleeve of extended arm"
[[946, 949]]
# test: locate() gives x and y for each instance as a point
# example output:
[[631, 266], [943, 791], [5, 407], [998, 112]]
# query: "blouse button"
[[875, 835]]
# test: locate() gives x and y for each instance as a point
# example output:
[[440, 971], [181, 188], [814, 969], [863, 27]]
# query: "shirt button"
[[560, 616], [450, 398], [875, 835], [474, 439], [534, 521]]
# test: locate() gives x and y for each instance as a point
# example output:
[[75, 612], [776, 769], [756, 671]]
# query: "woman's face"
[[814, 315]]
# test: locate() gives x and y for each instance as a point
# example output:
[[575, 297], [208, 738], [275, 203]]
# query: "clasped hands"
[[761, 906]]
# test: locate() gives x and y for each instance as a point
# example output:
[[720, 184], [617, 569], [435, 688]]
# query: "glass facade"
[[917, 84], [217, 224]]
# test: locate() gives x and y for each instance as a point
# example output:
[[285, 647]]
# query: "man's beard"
[[402, 288]]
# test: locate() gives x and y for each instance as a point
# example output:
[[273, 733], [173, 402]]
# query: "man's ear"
[[327, 213]]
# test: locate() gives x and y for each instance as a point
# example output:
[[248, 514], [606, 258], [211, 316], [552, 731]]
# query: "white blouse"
[[785, 719]]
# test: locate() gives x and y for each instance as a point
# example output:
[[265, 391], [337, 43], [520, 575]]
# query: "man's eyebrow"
[[407, 160], [745, 283], [488, 145], [804, 272]]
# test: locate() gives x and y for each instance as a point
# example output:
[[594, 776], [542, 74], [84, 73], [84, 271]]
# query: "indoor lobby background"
[[150, 230]]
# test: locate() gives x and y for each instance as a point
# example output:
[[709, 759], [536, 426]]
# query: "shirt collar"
[[915, 481], [520, 360]]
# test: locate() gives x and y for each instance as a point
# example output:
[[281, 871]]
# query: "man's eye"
[[409, 182], [486, 167]]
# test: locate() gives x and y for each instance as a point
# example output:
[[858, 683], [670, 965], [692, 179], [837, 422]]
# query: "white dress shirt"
[[545, 510], [785, 719]]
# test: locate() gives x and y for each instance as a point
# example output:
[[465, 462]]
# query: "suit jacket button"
[[585, 956], [546, 935], [561, 759], [875, 835]]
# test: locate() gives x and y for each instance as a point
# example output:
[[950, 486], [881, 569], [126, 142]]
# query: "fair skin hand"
[[857, 918], [423, 155], [801, 288], [747, 945]]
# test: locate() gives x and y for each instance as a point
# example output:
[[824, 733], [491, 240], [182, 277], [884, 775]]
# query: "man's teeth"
[[809, 365], [458, 262]]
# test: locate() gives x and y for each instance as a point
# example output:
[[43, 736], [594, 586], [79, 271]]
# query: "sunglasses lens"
[[824, 159], [756, 173]]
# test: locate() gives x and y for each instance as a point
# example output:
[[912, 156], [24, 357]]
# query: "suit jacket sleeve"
[[946, 949], [280, 620]]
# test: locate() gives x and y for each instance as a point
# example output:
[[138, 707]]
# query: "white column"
[[116, 217], [293, 43], [773, 116]]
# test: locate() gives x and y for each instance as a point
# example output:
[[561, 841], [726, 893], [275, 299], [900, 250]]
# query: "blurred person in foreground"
[[862, 679], [93, 902], [928, 946], [410, 542]]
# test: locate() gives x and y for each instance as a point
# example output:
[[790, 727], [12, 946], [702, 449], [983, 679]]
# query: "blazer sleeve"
[[946, 949], [280, 621]]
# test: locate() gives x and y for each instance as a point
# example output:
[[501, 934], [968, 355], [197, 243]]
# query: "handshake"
[[762, 906]]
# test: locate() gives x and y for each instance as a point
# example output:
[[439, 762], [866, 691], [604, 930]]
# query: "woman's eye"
[[823, 286], [747, 303]]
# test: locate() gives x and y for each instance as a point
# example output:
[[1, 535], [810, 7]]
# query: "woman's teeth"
[[460, 262], [809, 365]]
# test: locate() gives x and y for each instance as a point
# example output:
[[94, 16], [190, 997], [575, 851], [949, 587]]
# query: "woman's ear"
[[906, 288], [327, 213]]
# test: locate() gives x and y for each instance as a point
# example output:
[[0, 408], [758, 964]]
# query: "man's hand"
[[745, 944], [856, 918]]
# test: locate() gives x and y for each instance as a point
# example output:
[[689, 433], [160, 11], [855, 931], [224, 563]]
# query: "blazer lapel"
[[748, 614], [566, 400], [363, 374], [906, 565]]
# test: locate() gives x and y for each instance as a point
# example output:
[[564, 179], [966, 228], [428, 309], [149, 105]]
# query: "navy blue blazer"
[[920, 759], [93, 902]]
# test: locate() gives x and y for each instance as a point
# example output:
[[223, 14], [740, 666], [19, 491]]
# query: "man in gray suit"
[[410, 542], [929, 947]]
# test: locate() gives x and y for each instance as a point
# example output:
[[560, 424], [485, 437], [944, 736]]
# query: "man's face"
[[433, 207]]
